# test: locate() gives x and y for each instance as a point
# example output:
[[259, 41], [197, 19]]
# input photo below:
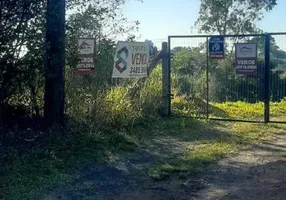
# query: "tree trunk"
[[54, 63]]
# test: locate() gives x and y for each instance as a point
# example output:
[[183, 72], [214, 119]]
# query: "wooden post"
[[54, 63], [166, 81]]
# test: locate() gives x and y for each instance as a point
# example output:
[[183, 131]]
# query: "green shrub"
[[115, 108], [150, 95]]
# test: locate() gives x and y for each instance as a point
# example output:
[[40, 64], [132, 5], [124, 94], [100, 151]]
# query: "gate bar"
[[234, 35], [266, 80], [207, 58], [236, 120]]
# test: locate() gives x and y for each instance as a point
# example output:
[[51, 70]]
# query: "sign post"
[[216, 47], [86, 54], [131, 60], [246, 58]]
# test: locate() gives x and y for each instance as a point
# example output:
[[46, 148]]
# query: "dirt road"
[[258, 172]]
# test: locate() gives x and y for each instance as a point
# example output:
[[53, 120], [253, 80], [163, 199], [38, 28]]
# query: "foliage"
[[149, 97], [189, 68], [228, 17], [22, 45], [240, 110], [234, 110], [190, 73], [231, 16], [114, 106]]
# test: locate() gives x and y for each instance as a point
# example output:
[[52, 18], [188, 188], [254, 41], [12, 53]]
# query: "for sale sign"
[[86, 56], [131, 60], [246, 58]]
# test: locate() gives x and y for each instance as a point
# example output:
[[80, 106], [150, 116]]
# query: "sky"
[[161, 18]]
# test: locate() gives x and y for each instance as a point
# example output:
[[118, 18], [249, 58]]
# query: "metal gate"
[[203, 87]]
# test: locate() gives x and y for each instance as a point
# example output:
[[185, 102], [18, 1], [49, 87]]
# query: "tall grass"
[[116, 106], [150, 95], [239, 109], [192, 106], [242, 110]]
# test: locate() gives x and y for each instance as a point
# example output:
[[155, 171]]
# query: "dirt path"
[[124, 178], [255, 173]]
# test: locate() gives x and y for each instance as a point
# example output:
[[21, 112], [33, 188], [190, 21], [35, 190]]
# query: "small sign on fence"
[[246, 58], [216, 47], [131, 60], [86, 54]]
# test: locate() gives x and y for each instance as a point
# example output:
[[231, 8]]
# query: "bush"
[[114, 105], [150, 95], [114, 108]]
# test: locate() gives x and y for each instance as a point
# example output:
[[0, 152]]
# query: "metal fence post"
[[207, 71], [266, 79], [166, 80]]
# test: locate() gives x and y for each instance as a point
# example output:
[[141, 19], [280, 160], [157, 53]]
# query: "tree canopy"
[[231, 16]]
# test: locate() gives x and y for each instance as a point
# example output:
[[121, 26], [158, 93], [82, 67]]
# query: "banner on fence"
[[86, 54], [131, 60], [216, 47], [246, 58]]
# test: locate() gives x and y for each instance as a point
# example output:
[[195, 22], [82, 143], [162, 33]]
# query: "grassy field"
[[244, 110], [35, 166], [230, 110], [54, 162]]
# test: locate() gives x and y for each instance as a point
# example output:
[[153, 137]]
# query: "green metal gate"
[[208, 88]]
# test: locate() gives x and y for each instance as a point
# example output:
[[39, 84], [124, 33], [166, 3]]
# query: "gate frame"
[[166, 64]]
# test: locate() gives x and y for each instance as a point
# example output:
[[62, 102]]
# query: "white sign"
[[86, 46], [246, 50], [86, 54], [131, 60], [246, 58]]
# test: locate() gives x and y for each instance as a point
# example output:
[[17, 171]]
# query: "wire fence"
[[158, 43], [208, 82]]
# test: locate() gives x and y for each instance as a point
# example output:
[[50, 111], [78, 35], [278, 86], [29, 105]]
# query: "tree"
[[231, 16], [20, 52], [189, 66], [234, 17], [22, 46], [89, 19]]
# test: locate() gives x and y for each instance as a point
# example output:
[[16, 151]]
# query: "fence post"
[[166, 80], [207, 70], [266, 79]]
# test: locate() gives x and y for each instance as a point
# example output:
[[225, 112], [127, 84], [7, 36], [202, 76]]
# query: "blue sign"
[[216, 47]]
